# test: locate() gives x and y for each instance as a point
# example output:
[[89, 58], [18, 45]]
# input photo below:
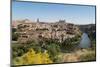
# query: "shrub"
[[52, 46], [70, 44], [53, 50], [15, 36], [31, 57], [89, 56], [14, 30]]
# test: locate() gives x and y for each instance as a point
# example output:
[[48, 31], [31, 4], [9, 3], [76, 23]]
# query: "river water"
[[85, 41]]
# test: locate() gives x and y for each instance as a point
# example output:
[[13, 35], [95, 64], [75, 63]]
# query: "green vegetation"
[[31, 57], [70, 44], [89, 55], [14, 34], [21, 49], [49, 51], [80, 55]]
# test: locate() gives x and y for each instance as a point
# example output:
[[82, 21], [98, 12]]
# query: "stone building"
[[58, 30]]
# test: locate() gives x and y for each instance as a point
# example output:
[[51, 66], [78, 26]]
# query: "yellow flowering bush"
[[31, 57]]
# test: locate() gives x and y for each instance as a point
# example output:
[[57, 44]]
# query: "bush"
[[18, 49], [90, 56], [53, 50], [33, 58], [15, 36], [14, 30], [52, 46], [70, 44]]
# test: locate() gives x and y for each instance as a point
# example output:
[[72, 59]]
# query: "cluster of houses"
[[60, 30]]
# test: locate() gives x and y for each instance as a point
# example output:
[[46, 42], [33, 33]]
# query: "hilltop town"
[[56, 42], [59, 30]]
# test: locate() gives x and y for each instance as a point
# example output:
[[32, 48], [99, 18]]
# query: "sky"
[[50, 12]]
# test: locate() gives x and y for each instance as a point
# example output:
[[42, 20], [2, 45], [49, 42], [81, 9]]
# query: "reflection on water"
[[85, 41]]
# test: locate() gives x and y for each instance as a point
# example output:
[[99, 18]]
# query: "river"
[[85, 41]]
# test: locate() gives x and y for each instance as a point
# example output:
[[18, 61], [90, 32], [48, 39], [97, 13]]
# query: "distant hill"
[[87, 28]]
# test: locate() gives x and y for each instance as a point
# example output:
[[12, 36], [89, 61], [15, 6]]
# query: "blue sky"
[[53, 12]]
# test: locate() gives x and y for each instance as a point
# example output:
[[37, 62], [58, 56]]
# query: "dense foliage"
[[39, 48], [70, 43], [14, 34], [47, 51], [31, 57]]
